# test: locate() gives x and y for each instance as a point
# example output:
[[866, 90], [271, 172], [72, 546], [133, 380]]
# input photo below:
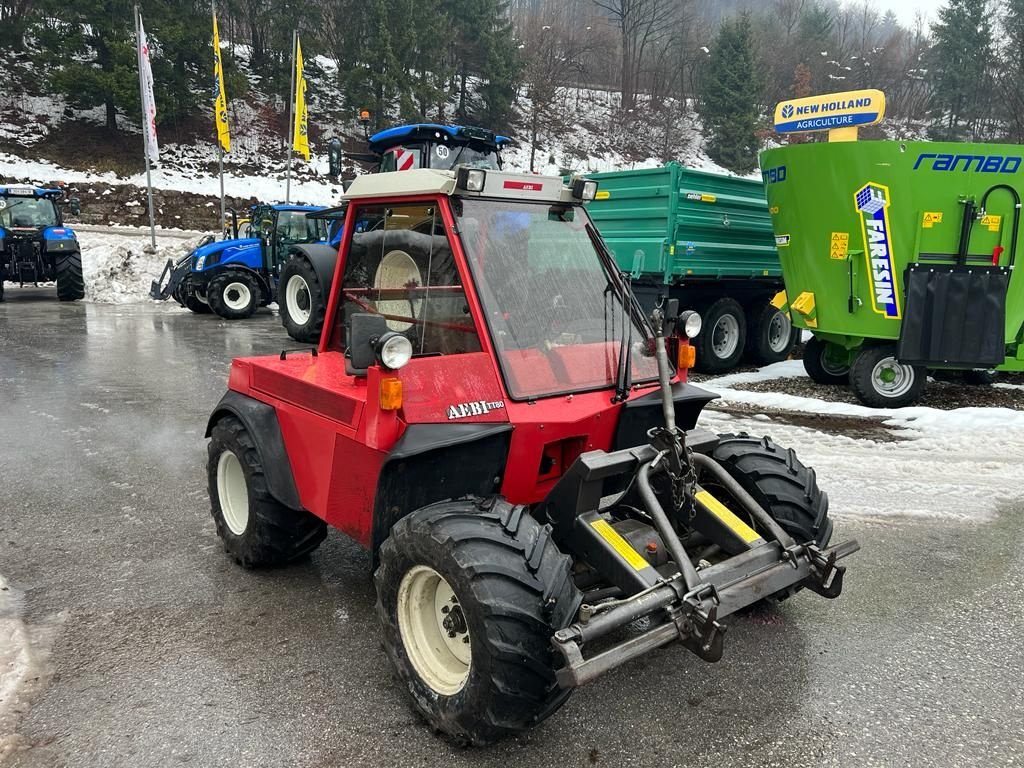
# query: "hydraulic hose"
[[664, 526]]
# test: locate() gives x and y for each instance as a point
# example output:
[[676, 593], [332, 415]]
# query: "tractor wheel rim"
[[232, 493], [296, 296], [725, 336], [237, 295], [433, 629], [891, 378], [779, 331]]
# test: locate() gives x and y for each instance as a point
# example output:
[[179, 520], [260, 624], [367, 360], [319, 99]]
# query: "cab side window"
[[400, 265]]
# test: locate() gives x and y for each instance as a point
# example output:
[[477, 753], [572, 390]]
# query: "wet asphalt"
[[156, 650]]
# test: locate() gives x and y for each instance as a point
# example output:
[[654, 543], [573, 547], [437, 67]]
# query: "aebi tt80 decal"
[[872, 201], [475, 408]]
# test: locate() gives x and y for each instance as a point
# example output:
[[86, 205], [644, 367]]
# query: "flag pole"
[[145, 131], [220, 147], [291, 127]]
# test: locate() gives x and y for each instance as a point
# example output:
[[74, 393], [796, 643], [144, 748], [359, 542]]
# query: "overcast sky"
[[906, 9]]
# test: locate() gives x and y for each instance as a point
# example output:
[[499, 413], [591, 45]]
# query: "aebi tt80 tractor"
[[35, 245], [489, 412]]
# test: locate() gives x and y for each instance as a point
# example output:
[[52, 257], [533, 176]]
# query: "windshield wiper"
[[617, 280]]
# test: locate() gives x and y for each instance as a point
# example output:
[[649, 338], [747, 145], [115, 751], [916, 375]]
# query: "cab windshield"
[[552, 307], [296, 227], [27, 212]]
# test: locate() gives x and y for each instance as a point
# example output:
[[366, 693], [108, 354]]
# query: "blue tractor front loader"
[[235, 276]]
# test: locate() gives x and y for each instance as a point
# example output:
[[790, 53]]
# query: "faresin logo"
[[872, 201]]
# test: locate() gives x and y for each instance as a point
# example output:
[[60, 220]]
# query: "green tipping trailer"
[[707, 240], [899, 257]]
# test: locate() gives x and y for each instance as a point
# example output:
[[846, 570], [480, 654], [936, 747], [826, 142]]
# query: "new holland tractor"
[[35, 244], [310, 268], [489, 412], [235, 276]]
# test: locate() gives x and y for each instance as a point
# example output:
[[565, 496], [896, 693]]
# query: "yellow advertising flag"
[[300, 134], [220, 109]]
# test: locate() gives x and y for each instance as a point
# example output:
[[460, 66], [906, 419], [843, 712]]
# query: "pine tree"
[[1012, 70], [730, 95], [960, 61]]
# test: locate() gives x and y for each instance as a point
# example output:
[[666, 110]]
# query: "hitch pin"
[[658, 458]]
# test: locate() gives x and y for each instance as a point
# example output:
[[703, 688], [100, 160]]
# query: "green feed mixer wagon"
[[898, 256]]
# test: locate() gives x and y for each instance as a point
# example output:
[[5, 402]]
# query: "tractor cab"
[[234, 276], [489, 412], [428, 145]]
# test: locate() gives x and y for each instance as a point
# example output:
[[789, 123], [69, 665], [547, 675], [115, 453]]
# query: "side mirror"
[[75, 206], [335, 156], [363, 331]]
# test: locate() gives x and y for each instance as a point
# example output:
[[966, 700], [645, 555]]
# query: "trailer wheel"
[[302, 301], [770, 334], [469, 594], [70, 284], [979, 377], [822, 363], [233, 294], [720, 345], [881, 381], [257, 530]]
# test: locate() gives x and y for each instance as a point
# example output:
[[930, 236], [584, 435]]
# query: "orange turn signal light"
[[686, 356], [390, 394]]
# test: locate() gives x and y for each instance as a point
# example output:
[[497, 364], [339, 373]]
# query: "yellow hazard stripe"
[[746, 534], [620, 545]]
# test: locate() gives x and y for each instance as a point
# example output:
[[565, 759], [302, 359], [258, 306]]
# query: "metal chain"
[[684, 487]]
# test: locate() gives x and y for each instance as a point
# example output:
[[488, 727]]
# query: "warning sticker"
[[991, 221], [782, 240], [840, 245], [930, 219]]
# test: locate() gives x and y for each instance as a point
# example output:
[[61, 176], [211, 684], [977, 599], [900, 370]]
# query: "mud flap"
[[954, 316]]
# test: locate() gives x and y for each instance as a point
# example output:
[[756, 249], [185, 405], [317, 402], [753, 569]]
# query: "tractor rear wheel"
[[822, 365], [770, 333], [70, 284], [233, 294], [257, 530], [780, 483], [302, 301], [469, 594], [721, 342], [881, 381]]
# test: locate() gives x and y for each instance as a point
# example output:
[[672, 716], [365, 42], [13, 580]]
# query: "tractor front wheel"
[[257, 530], [881, 381], [234, 295], [469, 594], [70, 284], [824, 364], [302, 301]]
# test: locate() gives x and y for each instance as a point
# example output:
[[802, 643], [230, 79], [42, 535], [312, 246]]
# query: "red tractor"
[[491, 415]]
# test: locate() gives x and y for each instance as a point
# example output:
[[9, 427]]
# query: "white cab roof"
[[431, 181]]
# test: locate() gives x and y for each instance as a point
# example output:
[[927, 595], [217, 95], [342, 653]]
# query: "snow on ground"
[[15, 659], [929, 463], [118, 268]]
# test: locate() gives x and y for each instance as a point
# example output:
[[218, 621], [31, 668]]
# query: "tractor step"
[[693, 617]]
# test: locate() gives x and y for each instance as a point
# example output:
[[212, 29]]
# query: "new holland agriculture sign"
[[833, 110]]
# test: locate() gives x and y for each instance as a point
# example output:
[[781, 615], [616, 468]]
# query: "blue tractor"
[[35, 245], [307, 273], [235, 276]]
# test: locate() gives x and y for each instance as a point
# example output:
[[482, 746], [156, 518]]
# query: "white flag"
[[148, 102]]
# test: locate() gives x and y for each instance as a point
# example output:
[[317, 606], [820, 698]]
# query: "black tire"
[[770, 334], [299, 270], [515, 590], [725, 322], [819, 367], [186, 296], [868, 382], [273, 534], [226, 293], [980, 378], [70, 283], [784, 487]]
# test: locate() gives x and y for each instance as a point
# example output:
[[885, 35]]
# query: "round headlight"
[[691, 323], [394, 350]]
